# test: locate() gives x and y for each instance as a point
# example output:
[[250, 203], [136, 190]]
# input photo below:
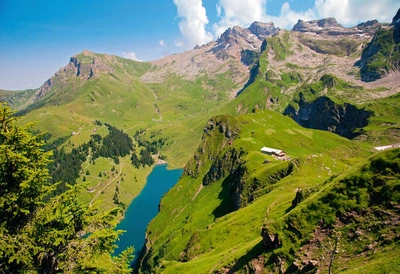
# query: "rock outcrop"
[[83, 66], [381, 56], [245, 38], [219, 132], [270, 240], [324, 114], [329, 26], [262, 30], [224, 165]]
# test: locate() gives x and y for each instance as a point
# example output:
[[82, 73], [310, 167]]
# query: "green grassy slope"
[[176, 108], [199, 230], [211, 221], [175, 111], [18, 99], [277, 83]]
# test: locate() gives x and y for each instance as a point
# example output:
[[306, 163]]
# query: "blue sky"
[[37, 37]]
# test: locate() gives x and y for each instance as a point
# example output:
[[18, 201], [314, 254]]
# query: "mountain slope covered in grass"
[[211, 110], [211, 220]]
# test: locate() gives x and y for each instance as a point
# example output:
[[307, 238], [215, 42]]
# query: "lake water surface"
[[145, 207]]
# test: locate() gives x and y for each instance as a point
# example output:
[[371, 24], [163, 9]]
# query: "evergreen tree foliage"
[[66, 167], [59, 236], [116, 143], [135, 160], [146, 158]]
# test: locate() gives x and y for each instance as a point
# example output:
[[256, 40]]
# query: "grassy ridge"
[[187, 226], [216, 226], [175, 110], [17, 99]]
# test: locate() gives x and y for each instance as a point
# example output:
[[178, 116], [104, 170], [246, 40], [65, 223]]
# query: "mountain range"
[[326, 95]]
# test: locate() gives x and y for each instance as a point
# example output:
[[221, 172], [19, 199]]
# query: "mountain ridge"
[[187, 109], [229, 39]]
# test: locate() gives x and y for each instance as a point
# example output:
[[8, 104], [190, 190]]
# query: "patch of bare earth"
[[355, 235]]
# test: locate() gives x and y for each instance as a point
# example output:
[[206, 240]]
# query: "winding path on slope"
[[113, 179]]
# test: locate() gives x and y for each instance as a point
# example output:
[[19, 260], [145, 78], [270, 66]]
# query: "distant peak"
[[329, 26], [327, 22], [261, 30], [87, 52], [315, 24]]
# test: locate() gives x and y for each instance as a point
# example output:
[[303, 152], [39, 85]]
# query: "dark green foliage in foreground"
[[60, 236], [376, 184]]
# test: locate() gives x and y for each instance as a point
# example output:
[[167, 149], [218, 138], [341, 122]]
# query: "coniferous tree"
[[146, 158], [135, 160], [59, 236]]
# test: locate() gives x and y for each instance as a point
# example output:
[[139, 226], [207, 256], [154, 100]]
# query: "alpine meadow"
[[289, 141]]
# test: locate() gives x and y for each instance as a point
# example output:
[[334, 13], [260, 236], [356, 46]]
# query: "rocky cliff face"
[[381, 56], [82, 66], [219, 132], [245, 38], [396, 19], [324, 114], [224, 165], [329, 26], [217, 159], [262, 30], [253, 36]]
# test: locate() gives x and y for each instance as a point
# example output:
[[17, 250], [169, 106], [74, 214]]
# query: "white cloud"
[[347, 12], [192, 25], [193, 18], [130, 55], [239, 13], [219, 9], [288, 18], [351, 12], [162, 43]]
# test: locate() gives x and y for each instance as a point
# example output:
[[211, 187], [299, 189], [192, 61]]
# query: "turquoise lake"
[[145, 207]]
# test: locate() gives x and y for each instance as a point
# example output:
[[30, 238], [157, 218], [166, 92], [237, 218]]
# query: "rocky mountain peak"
[[329, 26], [380, 57], [327, 22], [243, 38], [261, 30], [322, 26], [84, 66], [257, 30]]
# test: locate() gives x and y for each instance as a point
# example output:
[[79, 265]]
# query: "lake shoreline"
[[144, 207]]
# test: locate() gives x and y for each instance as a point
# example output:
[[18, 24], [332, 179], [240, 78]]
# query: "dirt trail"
[[112, 180]]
